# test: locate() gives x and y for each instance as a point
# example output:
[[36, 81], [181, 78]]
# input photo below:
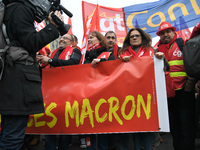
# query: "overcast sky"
[[75, 7]]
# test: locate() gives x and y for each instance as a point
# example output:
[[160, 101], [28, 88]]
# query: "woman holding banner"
[[137, 43], [96, 53]]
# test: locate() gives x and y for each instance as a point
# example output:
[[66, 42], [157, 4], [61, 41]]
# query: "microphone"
[[66, 11]]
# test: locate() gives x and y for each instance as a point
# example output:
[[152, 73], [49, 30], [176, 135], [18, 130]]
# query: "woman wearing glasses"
[[137, 43]]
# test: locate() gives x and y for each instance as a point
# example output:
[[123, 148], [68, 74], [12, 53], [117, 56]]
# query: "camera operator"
[[20, 87]]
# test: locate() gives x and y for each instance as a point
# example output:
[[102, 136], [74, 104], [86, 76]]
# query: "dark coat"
[[20, 87], [90, 55]]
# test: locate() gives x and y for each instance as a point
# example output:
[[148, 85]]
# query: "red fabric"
[[169, 85], [142, 52], [115, 51], [65, 55], [104, 55], [95, 20], [172, 52], [45, 51], [195, 31], [94, 93], [95, 46]]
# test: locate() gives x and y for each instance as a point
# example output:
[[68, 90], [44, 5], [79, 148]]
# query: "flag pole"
[[85, 53]]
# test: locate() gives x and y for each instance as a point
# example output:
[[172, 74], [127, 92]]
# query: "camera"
[[42, 8]]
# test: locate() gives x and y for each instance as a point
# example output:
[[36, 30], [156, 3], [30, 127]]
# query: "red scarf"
[[65, 55], [142, 52], [115, 50], [165, 47], [95, 46]]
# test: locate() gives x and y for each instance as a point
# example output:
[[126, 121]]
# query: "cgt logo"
[[177, 53], [112, 24]]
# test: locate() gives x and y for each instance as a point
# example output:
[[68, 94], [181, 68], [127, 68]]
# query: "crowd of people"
[[21, 93]]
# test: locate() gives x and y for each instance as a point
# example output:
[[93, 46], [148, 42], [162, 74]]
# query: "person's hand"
[[160, 55], [42, 59], [95, 62], [126, 58], [58, 14]]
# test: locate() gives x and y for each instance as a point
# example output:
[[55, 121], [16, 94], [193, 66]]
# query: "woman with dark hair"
[[137, 43]]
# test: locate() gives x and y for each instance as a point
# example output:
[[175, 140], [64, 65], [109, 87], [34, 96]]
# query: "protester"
[[65, 55], [97, 53], [181, 105], [20, 87], [137, 43], [111, 39], [196, 32], [75, 43]]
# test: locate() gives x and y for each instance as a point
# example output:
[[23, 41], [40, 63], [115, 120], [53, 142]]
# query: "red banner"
[[109, 19], [114, 97]]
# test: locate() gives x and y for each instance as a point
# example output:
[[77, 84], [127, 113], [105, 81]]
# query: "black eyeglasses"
[[137, 36], [65, 38], [110, 37]]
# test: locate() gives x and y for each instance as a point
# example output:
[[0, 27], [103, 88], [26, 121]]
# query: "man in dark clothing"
[[111, 39], [65, 55], [20, 87]]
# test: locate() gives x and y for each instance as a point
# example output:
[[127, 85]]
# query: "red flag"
[[70, 22], [92, 24]]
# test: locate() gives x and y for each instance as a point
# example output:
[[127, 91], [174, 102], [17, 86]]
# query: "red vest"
[[177, 70]]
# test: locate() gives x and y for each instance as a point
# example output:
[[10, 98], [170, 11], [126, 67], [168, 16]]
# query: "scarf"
[[141, 52], [165, 47], [95, 46], [115, 50]]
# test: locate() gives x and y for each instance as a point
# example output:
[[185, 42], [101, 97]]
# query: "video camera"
[[43, 8]]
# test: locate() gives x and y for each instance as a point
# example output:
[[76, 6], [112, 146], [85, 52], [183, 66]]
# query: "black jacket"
[[20, 87], [73, 60], [90, 55]]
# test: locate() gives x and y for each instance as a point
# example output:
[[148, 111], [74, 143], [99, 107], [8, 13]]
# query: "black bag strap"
[[180, 43]]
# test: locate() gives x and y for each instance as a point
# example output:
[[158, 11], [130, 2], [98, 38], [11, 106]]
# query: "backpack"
[[191, 57], [8, 53]]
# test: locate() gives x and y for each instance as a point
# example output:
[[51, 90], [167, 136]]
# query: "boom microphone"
[[66, 11]]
